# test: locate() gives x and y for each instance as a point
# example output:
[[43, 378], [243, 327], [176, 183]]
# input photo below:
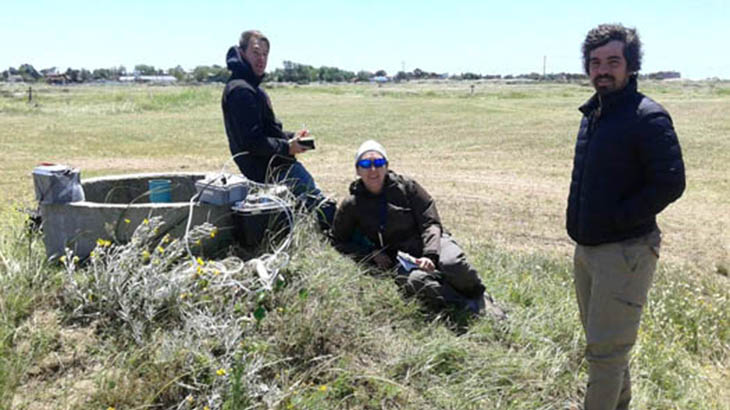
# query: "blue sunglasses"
[[369, 163]]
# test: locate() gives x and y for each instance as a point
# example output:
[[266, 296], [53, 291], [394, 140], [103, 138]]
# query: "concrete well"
[[115, 205]]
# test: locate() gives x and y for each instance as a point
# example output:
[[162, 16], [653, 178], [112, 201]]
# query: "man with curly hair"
[[627, 168]]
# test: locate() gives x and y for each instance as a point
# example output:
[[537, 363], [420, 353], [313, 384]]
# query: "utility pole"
[[544, 64]]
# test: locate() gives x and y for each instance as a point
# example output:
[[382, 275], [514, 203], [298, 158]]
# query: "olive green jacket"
[[404, 216]]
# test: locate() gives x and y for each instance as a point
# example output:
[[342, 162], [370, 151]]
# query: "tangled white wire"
[[268, 265]]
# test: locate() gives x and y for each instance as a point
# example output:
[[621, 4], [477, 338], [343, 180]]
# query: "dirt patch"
[[62, 371]]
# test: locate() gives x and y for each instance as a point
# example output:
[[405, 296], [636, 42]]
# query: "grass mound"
[[143, 324]]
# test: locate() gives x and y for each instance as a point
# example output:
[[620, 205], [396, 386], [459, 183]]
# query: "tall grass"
[[118, 332], [174, 333]]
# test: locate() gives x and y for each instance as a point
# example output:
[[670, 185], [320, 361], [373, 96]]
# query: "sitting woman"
[[390, 218]]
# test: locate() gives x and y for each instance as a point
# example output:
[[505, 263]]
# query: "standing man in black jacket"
[[628, 167], [263, 151]]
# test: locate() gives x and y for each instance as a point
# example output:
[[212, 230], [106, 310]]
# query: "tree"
[[299, 73], [73, 75], [200, 73], [334, 74], [143, 69], [85, 75], [178, 72], [470, 76], [402, 76], [102, 74], [219, 74], [363, 75], [29, 73], [207, 74], [381, 73]]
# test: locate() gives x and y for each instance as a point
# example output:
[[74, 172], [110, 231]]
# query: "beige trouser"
[[612, 282]]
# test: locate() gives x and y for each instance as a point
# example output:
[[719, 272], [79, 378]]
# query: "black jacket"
[[410, 222], [250, 122], [627, 168]]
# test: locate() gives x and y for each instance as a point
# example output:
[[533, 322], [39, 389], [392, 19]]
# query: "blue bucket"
[[160, 190]]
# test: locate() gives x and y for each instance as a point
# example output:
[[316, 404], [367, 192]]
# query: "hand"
[[382, 261], [425, 264], [294, 146]]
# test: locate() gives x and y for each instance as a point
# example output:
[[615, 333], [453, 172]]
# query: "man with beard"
[[627, 168], [263, 151]]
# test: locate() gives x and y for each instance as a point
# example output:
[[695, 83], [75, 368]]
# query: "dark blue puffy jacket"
[[250, 122], [627, 168]]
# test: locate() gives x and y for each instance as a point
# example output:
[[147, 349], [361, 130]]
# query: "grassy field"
[[498, 163]]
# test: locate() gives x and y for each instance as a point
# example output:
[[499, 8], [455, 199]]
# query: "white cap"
[[370, 145]]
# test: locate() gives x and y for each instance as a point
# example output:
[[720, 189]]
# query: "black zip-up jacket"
[[404, 214], [250, 122], [628, 167]]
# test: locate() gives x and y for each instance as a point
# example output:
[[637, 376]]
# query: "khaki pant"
[[612, 282], [453, 283]]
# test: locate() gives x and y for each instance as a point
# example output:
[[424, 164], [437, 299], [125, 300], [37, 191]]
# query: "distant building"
[[15, 78], [148, 79], [57, 79]]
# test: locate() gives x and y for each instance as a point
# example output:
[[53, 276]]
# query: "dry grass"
[[498, 163]]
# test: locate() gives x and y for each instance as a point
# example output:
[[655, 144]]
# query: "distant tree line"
[[291, 73]]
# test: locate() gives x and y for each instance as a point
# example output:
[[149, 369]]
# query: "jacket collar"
[[240, 68], [610, 101]]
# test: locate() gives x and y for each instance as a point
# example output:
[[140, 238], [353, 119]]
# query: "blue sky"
[[487, 37]]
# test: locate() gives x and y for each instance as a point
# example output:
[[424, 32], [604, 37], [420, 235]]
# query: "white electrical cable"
[[265, 265]]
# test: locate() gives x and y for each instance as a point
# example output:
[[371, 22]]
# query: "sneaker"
[[488, 307]]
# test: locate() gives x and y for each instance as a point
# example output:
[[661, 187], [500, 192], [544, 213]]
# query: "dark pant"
[[453, 283], [302, 185], [612, 282]]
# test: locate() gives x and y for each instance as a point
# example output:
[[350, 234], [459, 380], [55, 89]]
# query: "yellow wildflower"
[[199, 271], [160, 249], [166, 238], [212, 233], [190, 399], [323, 387], [75, 259], [198, 242], [216, 272], [127, 221], [200, 261], [146, 221], [206, 408], [62, 259], [93, 254], [145, 255], [183, 295], [221, 372]]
